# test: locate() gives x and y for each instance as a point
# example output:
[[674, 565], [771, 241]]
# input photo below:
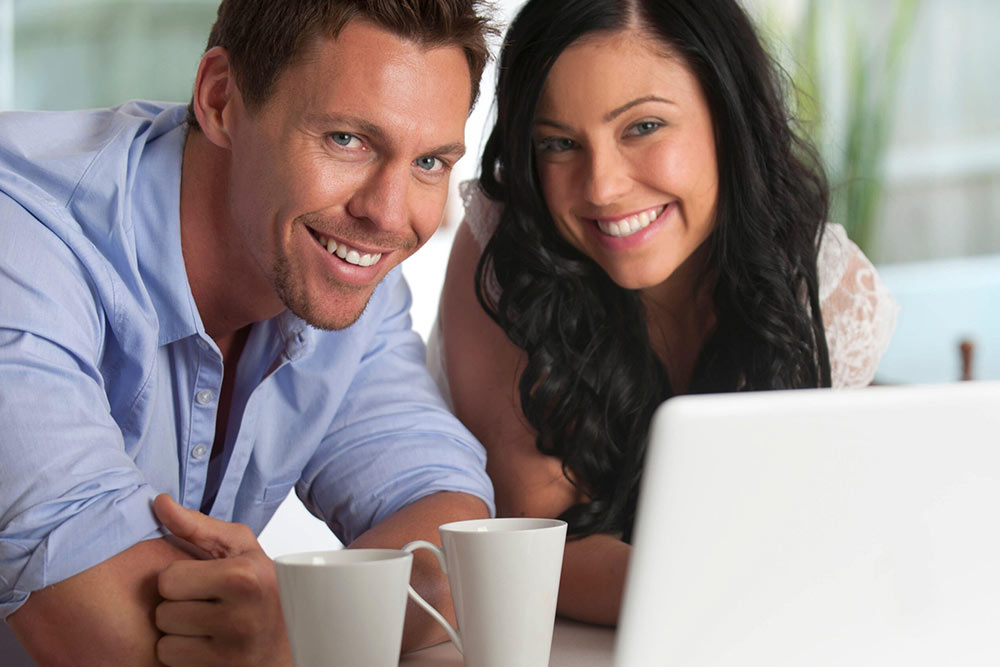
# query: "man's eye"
[[429, 163], [344, 139]]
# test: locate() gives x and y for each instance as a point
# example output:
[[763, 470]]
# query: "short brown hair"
[[263, 37]]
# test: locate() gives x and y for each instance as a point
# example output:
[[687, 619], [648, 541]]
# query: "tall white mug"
[[344, 607], [504, 577]]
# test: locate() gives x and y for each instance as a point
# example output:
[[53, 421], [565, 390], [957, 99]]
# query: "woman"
[[646, 224]]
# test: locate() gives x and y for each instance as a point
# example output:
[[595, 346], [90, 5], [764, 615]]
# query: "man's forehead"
[[371, 81], [363, 49], [360, 31]]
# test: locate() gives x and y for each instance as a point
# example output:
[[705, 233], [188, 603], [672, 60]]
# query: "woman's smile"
[[628, 225]]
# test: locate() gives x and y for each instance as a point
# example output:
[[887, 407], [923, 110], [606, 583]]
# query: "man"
[[210, 309]]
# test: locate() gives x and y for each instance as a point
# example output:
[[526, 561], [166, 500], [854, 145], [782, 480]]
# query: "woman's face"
[[626, 156]]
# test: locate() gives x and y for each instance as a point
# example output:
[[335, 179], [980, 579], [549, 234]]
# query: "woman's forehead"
[[616, 65]]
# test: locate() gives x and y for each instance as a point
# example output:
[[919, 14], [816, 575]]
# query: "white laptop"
[[819, 527]]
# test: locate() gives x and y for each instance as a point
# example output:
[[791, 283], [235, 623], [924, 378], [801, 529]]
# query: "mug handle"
[[435, 614]]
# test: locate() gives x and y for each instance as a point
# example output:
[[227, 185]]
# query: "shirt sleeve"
[[859, 313], [70, 496], [393, 440]]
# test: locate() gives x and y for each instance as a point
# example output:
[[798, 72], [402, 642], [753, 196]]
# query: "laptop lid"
[[818, 527]]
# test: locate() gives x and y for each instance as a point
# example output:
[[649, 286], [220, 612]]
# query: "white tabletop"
[[573, 645]]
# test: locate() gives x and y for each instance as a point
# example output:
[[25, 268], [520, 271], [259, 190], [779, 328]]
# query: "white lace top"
[[859, 314]]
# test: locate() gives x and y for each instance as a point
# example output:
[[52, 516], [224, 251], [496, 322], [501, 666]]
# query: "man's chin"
[[329, 321], [329, 305]]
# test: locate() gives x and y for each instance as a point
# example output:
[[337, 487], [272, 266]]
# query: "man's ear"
[[215, 93]]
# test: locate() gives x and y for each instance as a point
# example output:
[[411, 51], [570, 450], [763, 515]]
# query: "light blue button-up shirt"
[[109, 384]]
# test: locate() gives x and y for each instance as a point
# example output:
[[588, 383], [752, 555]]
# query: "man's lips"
[[351, 254]]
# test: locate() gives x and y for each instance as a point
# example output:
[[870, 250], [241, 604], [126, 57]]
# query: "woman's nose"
[[608, 179]]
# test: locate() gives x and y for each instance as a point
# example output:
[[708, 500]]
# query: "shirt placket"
[[203, 395], [296, 345]]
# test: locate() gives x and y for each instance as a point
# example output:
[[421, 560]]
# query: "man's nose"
[[381, 198]]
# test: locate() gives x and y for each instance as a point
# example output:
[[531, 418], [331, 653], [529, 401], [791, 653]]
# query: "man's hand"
[[221, 611]]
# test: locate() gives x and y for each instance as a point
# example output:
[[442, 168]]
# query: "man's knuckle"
[[242, 577]]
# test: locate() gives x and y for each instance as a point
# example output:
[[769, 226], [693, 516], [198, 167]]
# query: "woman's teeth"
[[350, 255], [630, 225]]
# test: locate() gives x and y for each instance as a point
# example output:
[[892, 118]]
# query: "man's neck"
[[223, 282]]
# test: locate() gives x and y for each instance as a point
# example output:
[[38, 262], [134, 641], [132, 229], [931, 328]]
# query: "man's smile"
[[350, 254]]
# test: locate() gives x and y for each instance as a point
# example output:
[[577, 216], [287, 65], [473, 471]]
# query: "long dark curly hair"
[[592, 380]]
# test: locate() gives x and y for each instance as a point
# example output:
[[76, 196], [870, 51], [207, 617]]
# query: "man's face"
[[343, 172]]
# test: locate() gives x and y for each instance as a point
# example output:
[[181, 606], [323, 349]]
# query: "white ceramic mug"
[[344, 607], [504, 577]]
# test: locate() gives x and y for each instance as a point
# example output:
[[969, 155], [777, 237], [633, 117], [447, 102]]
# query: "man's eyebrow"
[[332, 121], [457, 149], [614, 113]]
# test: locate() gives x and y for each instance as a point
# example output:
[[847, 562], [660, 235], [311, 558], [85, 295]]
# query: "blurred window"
[[63, 54], [940, 166]]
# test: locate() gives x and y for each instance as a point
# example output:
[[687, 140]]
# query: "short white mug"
[[344, 607], [504, 578]]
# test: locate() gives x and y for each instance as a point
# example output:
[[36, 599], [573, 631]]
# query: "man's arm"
[[102, 616], [77, 565], [393, 440], [419, 521], [154, 601]]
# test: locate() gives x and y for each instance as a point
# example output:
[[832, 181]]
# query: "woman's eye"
[[556, 145], [644, 127], [429, 163], [344, 139]]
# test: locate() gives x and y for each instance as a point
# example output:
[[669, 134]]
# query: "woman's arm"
[[859, 313], [483, 368]]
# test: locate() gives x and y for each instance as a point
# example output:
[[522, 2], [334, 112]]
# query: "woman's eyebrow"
[[614, 113], [611, 115], [552, 123]]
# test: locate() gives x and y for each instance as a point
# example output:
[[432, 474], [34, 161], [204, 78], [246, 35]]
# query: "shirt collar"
[[156, 198], [296, 333]]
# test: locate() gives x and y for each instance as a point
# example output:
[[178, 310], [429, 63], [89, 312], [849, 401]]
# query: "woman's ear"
[[215, 92]]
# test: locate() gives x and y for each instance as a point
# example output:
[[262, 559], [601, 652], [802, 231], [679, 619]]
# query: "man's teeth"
[[350, 255], [630, 225]]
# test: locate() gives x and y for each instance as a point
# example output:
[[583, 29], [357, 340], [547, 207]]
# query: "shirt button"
[[204, 397], [199, 451]]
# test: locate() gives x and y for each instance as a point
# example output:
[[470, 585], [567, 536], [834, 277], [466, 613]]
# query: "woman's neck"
[[680, 315]]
